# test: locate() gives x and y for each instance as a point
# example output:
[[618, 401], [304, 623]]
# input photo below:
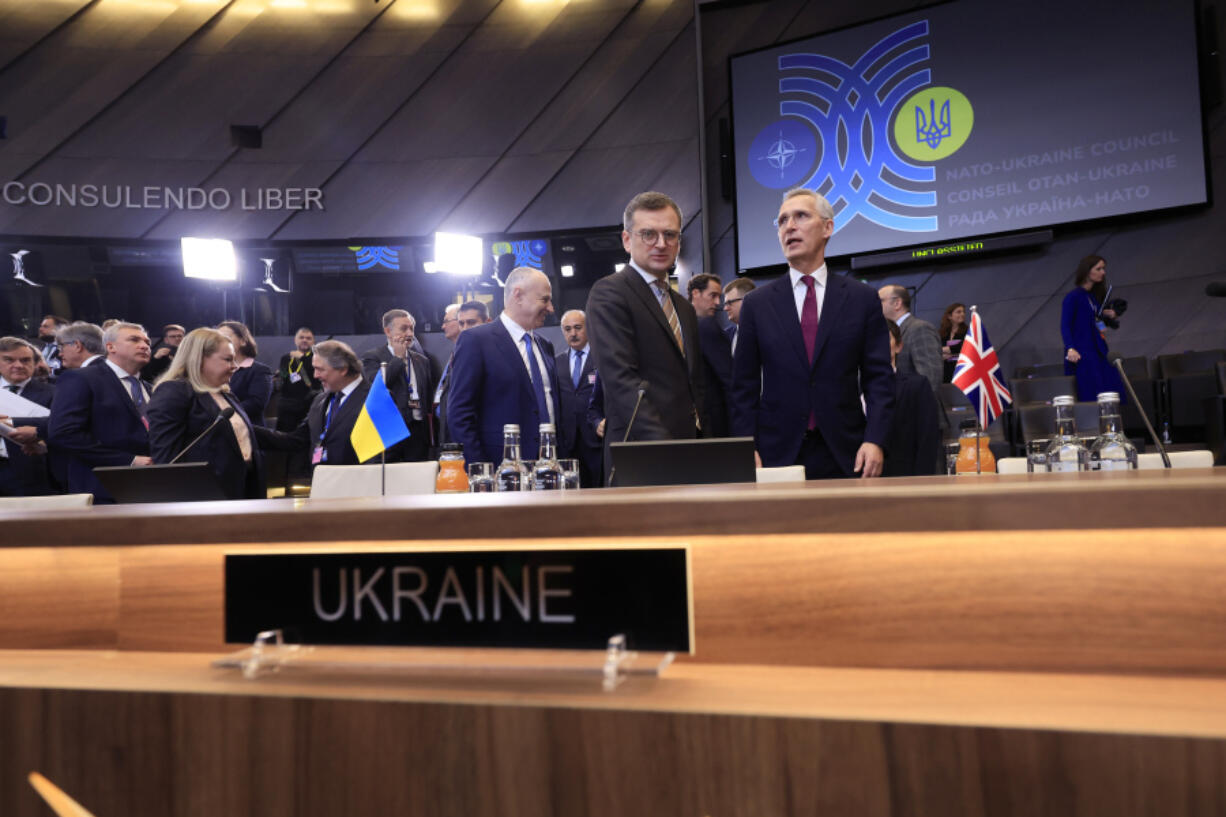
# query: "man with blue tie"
[[577, 437], [98, 416], [504, 373], [808, 345]]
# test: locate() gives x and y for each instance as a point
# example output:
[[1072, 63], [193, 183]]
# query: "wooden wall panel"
[[205, 755]]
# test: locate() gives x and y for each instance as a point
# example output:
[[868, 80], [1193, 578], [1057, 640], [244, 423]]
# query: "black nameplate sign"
[[541, 599]]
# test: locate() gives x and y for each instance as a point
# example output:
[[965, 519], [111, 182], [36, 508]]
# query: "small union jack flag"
[[978, 374]]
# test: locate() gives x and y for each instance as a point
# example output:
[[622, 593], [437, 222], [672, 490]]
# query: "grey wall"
[[1159, 263]]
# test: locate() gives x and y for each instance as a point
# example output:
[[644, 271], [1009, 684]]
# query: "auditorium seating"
[[1191, 378], [1031, 372]]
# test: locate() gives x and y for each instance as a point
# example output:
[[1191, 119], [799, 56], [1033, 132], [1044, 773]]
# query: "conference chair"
[[342, 481]]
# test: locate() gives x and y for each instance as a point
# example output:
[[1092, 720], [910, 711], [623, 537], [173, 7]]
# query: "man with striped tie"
[[642, 332]]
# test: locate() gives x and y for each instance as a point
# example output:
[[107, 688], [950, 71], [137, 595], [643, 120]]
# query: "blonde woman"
[[187, 400]]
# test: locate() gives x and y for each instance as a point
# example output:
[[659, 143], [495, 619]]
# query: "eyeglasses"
[[731, 301], [650, 237], [800, 218]]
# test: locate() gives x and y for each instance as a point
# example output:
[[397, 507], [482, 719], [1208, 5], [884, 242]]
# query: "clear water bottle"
[[1111, 450], [1065, 452], [547, 473], [511, 475]]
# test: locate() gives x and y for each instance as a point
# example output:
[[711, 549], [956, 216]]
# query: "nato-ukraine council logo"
[[529, 253], [864, 134]]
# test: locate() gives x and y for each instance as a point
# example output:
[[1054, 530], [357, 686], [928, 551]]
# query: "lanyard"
[[333, 402]]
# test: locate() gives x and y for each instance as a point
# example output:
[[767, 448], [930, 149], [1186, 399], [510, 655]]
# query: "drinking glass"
[[481, 477], [570, 474]]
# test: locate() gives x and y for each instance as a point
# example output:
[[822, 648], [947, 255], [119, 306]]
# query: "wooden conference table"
[[1020, 645]]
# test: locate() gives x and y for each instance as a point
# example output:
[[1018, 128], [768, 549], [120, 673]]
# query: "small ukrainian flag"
[[380, 425]]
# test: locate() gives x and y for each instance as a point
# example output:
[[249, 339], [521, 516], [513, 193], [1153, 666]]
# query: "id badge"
[[295, 377], [591, 379], [319, 455]]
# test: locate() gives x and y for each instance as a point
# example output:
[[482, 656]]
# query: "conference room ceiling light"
[[568, 270], [458, 254], [211, 259]]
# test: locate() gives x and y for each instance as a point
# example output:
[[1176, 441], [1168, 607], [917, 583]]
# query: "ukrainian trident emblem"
[[929, 129]]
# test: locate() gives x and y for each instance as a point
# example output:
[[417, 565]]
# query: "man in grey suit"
[[642, 332], [921, 346]]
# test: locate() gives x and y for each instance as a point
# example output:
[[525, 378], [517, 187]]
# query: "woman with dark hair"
[[188, 399], [952, 331], [252, 383], [1083, 332]]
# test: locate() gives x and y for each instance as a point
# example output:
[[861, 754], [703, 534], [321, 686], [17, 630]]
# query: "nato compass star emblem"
[[781, 154]]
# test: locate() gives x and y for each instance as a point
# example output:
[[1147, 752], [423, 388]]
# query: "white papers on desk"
[[14, 405]]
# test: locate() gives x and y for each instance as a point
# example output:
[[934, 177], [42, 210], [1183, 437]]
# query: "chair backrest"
[[1221, 378], [1190, 362], [1042, 389], [950, 396], [340, 481], [55, 502], [1138, 368], [785, 473], [1201, 458], [1038, 421], [1023, 372]]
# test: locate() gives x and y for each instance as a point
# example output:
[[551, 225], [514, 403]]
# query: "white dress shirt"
[[799, 289], [123, 379], [517, 333]]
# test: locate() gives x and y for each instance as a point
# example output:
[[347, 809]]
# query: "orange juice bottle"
[[452, 478], [971, 439]]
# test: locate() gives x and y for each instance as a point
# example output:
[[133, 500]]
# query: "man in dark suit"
[[98, 417], [576, 377], [23, 461], [808, 345], [467, 316], [504, 373], [921, 349], [643, 332], [409, 381], [80, 345], [51, 324], [329, 422], [914, 446]]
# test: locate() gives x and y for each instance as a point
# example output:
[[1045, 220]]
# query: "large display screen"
[[970, 118]]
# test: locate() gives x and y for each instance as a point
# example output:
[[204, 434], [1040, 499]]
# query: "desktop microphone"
[[630, 425], [225, 414], [1119, 364]]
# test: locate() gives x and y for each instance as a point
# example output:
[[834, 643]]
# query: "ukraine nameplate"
[[539, 599]]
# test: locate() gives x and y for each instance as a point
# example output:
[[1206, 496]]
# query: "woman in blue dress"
[[1083, 330]]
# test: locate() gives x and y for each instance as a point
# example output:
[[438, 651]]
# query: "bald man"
[[576, 376]]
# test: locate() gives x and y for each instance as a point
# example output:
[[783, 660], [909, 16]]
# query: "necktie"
[[670, 313], [538, 383], [808, 328], [576, 368], [12, 388], [138, 397]]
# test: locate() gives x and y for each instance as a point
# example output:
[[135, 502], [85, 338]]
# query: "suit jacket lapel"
[[832, 308], [121, 388], [509, 350], [645, 294], [783, 301]]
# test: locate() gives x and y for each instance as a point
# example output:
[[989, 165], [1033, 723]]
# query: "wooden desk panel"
[[137, 734], [1114, 601]]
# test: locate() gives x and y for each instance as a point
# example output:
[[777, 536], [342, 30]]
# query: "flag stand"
[[383, 453]]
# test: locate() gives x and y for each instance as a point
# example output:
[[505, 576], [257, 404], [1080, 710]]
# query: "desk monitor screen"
[[182, 482], [683, 462]]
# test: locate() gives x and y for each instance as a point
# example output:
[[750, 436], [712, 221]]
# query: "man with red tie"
[[809, 344]]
